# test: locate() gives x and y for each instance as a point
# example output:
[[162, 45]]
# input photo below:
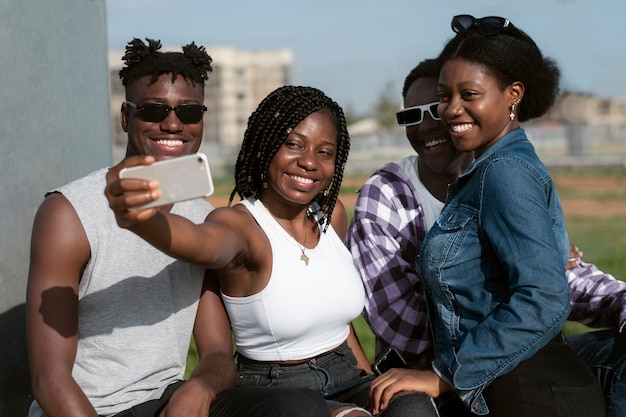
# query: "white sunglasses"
[[412, 116]]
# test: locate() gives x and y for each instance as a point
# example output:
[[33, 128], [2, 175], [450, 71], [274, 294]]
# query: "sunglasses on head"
[[488, 26], [412, 116], [157, 112]]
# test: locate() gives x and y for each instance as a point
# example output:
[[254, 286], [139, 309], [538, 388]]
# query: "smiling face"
[[430, 139], [304, 164], [474, 107], [169, 138]]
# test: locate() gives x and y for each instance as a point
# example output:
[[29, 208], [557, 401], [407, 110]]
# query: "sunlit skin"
[[170, 138], [439, 161], [303, 166], [474, 107]]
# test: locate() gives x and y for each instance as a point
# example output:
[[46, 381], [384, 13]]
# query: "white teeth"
[[461, 128], [302, 179], [170, 142], [434, 142]]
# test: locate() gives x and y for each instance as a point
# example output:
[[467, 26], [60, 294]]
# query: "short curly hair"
[[141, 60], [511, 55], [267, 130], [428, 68]]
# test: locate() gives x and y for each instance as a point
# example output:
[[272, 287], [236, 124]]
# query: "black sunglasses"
[[488, 26], [157, 112], [412, 116]]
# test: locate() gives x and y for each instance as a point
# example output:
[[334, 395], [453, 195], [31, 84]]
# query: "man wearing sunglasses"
[[110, 317]]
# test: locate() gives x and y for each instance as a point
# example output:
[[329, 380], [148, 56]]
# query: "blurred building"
[[580, 129], [585, 108], [238, 83]]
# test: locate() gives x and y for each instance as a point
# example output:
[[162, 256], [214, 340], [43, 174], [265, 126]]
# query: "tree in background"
[[386, 106]]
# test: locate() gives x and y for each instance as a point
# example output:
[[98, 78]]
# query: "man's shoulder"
[[93, 179]]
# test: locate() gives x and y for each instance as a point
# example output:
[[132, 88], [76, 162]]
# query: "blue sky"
[[352, 49]]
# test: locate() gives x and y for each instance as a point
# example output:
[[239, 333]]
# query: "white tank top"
[[304, 310]]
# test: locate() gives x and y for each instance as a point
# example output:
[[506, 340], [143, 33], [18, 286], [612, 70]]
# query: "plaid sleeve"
[[597, 298], [384, 238]]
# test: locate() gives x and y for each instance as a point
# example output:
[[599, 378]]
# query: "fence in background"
[[558, 145]]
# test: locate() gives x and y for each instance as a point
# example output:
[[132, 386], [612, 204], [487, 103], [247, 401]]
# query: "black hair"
[[511, 55], [193, 63], [428, 68], [268, 127]]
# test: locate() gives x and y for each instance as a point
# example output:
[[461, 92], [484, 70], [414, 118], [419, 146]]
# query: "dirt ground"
[[594, 207], [572, 206]]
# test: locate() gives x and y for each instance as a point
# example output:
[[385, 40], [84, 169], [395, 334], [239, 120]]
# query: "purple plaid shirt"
[[597, 298], [385, 237]]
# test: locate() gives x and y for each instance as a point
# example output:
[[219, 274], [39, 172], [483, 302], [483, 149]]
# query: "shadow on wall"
[[15, 391]]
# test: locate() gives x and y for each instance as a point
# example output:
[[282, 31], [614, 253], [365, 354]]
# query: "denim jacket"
[[493, 267]]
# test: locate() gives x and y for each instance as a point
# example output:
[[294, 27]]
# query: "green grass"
[[603, 241]]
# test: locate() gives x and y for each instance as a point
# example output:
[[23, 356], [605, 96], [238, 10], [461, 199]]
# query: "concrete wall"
[[54, 127]]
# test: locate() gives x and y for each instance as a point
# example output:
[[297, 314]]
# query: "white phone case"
[[183, 178]]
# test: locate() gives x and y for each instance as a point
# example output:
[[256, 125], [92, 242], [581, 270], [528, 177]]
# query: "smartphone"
[[391, 358], [340, 389], [183, 178]]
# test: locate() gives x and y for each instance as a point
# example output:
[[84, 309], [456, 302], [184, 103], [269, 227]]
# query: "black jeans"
[[555, 382], [151, 408], [269, 402], [246, 402]]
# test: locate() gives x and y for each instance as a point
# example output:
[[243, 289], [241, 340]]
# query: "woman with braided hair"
[[286, 278]]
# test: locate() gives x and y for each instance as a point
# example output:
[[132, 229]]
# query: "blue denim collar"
[[514, 135]]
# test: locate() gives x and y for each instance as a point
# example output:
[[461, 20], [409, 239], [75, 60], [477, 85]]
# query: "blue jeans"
[[604, 352], [322, 373]]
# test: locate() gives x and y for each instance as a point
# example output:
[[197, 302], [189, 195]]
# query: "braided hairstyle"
[[267, 130], [193, 63], [428, 68], [510, 55]]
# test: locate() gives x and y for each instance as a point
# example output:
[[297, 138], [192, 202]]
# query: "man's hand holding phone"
[[138, 184], [183, 178]]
